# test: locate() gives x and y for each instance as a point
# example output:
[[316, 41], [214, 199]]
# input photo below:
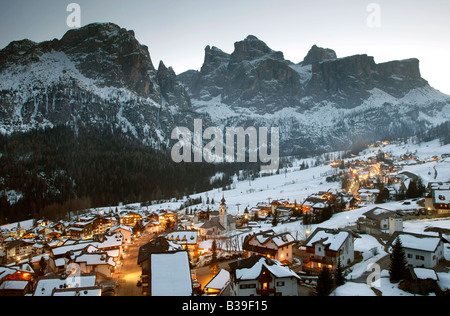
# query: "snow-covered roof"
[[27, 224], [424, 274], [416, 241], [171, 274], [334, 239], [280, 240], [13, 285], [5, 271], [121, 227], [84, 291], [252, 268], [45, 287], [110, 242], [444, 281], [95, 259], [220, 281], [441, 196], [379, 213]]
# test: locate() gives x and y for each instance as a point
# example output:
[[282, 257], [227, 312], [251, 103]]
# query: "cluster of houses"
[[80, 256], [332, 247], [365, 178], [32, 252], [267, 264]]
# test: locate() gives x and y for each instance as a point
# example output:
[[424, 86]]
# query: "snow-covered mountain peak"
[[100, 75]]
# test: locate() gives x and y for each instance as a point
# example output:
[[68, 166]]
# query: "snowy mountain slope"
[[320, 104], [99, 76], [295, 184]]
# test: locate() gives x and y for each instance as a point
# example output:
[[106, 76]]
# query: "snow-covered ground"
[[299, 184]]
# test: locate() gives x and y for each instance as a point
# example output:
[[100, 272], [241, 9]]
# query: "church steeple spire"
[[223, 216]]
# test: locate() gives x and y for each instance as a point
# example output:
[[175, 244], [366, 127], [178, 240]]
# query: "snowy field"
[[298, 184]]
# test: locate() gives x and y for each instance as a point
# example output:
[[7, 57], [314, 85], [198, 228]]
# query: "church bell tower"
[[223, 216]]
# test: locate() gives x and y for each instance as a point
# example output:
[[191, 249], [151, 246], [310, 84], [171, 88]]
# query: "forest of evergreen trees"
[[441, 132], [55, 171]]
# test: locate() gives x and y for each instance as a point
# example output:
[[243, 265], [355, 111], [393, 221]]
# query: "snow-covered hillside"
[[299, 184], [295, 184]]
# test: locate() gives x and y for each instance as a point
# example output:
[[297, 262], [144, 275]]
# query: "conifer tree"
[[324, 282], [214, 265], [339, 278], [412, 191], [398, 262]]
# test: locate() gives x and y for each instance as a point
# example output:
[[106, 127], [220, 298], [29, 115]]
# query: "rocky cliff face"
[[98, 75], [348, 81], [319, 54], [322, 103], [253, 75]]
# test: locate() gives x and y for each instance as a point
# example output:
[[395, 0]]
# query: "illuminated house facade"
[[326, 247], [261, 276], [271, 245]]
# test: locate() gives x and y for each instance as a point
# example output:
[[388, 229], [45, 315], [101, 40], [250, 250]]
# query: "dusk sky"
[[177, 31]]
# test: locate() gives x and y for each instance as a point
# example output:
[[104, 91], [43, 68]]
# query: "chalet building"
[[367, 196], [262, 276], [15, 232], [421, 281], [109, 243], [96, 262], [326, 247], [83, 228], [167, 218], [126, 232], [270, 245], [281, 207], [312, 203], [103, 224], [438, 199], [152, 226], [130, 219], [18, 250], [348, 201], [165, 269], [16, 280], [256, 214], [441, 201], [379, 220], [421, 250], [261, 210], [188, 239], [15, 288]]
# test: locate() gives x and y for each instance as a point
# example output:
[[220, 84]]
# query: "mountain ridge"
[[321, 103], [96, 75], [100, 75]]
